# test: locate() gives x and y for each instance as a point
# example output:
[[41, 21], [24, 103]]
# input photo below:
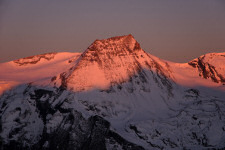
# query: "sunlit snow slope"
[[34, 68]]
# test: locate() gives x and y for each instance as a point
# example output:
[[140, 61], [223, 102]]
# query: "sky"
[[174, 30]]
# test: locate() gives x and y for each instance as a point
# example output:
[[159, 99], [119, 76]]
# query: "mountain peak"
[[109, 62], [115, 44], [106, 62], [124, 38]]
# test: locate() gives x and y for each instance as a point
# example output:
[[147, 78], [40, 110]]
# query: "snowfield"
[[112, 96]]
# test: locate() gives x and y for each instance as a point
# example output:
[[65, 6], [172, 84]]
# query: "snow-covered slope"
[[113, 96], [34, 68]]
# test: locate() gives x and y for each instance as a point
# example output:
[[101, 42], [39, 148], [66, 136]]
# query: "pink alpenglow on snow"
[[108, 62]]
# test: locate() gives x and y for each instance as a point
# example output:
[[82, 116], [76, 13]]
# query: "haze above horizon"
[[175, 30]]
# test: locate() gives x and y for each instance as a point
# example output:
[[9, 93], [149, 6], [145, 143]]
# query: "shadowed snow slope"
[[112, 96]]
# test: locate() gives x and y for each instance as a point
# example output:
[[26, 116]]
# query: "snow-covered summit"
[[111, 44], [108, 62], [211, 66], [115, 46]]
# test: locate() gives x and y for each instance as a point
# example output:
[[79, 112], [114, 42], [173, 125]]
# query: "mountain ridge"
[[128, 47], [113, 96]]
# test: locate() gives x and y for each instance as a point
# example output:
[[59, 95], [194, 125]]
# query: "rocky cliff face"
[[34, 59], [210, 66], [114, 96]]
